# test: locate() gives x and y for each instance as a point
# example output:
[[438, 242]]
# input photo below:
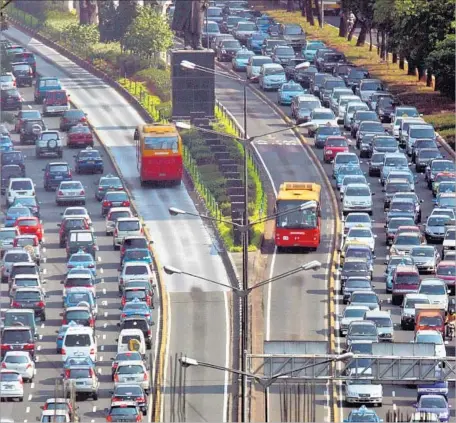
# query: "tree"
[[107, 20], [319, 12], [88, 12], [126, 13], [149, 34]]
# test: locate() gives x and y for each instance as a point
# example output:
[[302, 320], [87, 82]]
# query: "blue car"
[[89, 161], [344, 171], [14, 212], [240, 60], [363, 414], [78, 361], [323, 132], [84, 260], [136, 308], [310, 49], [5, 144], [75, 296], [289, 90], [60, 335], [263, 23], [439, 387], [256, 41], [434, 404], [28, 201], [137, 254]]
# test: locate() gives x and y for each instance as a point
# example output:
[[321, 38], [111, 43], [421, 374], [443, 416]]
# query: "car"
[[124, 357], [402, 112], [426, 144], [435, 167], [12, 158], [114, 214], [304, 74], [21, 362], [10, 257], [23, 56], [7, 236], [439, 178], [323, 133], [385, 108], [61, 404], [79, 277], [435, 227], [367, 87], [126, 226], [56, 102], [351, 108], [77, 211], [134, 270], [72, 118], [31, 131], [287, 91], [368, 127], [333, 146], [447, 186], [434, 404], [329, 85], [363, 235], [432, 337], [32, 298], [354, 267], [11, 385], [80, 135], [23, 268], [361, 330], [401, 207], [108, 183], [84, 240], [376, 164], [138, 322], [81, 295], [357, 198], [131, 392], [344, 159], [382, 143], [271, 77], [375, 97], [26, 281], [6, 144], [391, 265], [227, 25], [292, 34], [446, 270], [360, 116], [354, 283], [363, 414], [128, 372], [320, 117], [408, 309], [357, 250], [55, 173], [30, 225], [293, 66], [415, 132], [365, 391], [254, 66], [136, 307], [339, 101], [367, 298], [114, 199], [436, 290], [17, 188], [310, 48], [6, 173], [84, 379], [351, 179], [264, 22], [404, 242], [123, 411], [49, 143], [446, 200], [227, 49], [44, 84], [142, 294], [351, 314], [302, 107], [79, 341], [449, 243], [345, 171], [392, 187], [23, 115], [10, 99], [50, 416], [18, 338], [282, 54], [416, 201], [426, 258], [327, 59], [89, 160], [133, 242], [14, 212], [70, 192], [71, 224], [243, 30], [355, 76], [241, 59], [7, 81], [382, 320], [84, 260]]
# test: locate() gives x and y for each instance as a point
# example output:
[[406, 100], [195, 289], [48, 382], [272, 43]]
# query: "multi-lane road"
[[198, 314]]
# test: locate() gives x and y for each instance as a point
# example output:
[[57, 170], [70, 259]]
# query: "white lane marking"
[[44, 250], [104, 291], [44, 260], [102, 280], [44, 271], [105, 325], [102, 348], [101, 358], [104, 303], [32, 385], [39, 348], [27, 410], [40, 337], [34, 374], [92, 421], [30, 397], [101, 271], [94, 409], [42, 325], [227, 355], [105, 314], [104, 336], [99, 372], [37, 358]]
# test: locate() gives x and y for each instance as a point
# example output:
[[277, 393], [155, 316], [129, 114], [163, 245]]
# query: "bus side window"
[[136, 135]]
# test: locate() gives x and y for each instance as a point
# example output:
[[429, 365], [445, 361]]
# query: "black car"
[[71, 223], [424, 156], [7, 172], [385, 108], [365, 148], [355, 284], [355, 76], [320, 53], [354, 267], [317, 83], [141, 323], [290, 67], [30, 298], [282, 54], [329, 60], [422, 143], [10, 99], [72, 118], [133, 393], [26, 57], [23, 74], [305, 76], [227, 49], [13, 158], [32, 130], [54, 173], [216, 40], [342, 70]]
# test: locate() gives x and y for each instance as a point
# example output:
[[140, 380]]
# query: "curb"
[[164, 296]]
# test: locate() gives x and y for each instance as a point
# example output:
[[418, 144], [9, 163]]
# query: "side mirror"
[[44, 170], [59, 225], [61, 314], [118, 325], [61, 282], [117, 339], [373, 193]]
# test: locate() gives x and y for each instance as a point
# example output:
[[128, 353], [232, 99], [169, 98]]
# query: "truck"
[[430, 317]]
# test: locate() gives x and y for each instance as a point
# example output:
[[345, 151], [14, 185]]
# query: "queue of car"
[[325, 91], [22, 241]]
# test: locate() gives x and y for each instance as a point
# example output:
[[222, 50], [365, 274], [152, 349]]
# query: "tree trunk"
[[411, 66], [428, 78], [362, 35], [319, 11], [370, 39], [310, 16], [401, 62], [379, 43], [352, 30], [290, 5], [88, 12], [303, 6], [394, 57], [343, 26]]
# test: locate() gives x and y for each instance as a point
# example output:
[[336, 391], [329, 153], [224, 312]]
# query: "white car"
[[361, 219], [351, 314], [449, 242], [11, 385], [126, 226], [357, 198], [361, 234], [70, 192], [51, 416], [26, 281], [363, 391], [19, 187], [114, 214], [432, 337], [341, 106], [7, 236], [7, 81], [436, 290], [350, 110], [21, 362], [77, 211], [320, 117], [129, 372], [79, 341]]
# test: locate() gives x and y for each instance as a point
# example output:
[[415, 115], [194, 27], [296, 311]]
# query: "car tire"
[[58, 350], [43, 318], [95, 396], [21, 399]]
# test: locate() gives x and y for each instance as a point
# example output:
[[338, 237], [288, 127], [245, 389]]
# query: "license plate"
[[80, 383], [59, 177], [91, 162], [8, 386], [130, 379], [72, 193], [116, 204]]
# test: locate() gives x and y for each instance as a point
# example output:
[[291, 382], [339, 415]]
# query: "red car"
[[30, 226], [80, 136], [334, 145], [446, 270]]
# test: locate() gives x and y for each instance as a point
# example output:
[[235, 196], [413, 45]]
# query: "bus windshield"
[[295, 219], [161, 143]]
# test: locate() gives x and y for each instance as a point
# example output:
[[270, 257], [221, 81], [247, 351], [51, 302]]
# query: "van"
[[17, 188], [415, 132], [44, 84], [126, 335], [56, 101], [126, 226], [254, 66], [404, 127], [272, 76], [23, 268], [20, 316], [79, 341]]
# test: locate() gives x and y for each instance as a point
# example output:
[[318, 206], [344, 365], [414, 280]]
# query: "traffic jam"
[[397, 273], [25, 248]]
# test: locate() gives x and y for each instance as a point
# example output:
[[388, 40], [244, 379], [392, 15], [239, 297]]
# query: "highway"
[[286, 160], [198, 313]]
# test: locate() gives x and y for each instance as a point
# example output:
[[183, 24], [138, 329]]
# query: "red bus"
[[298, 228], [158, 153]]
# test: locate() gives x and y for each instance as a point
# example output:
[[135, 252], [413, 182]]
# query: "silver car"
[[408, 309], [70, 192], [382, 320], [366, 298], [351, 314], [15, 255], [435, 227], [114, 214], [84, 379], [11, 385], [426, 258], [129, 372], [361, 331]]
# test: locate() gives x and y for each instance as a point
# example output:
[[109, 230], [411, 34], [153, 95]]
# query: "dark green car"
[[81, 240], [108, 183]]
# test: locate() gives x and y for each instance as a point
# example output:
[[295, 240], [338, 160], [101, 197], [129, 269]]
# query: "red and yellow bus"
[[298, 228], [158, 153]]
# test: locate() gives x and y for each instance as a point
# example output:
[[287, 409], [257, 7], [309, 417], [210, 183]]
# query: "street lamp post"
[[264, 382], [243, 227]]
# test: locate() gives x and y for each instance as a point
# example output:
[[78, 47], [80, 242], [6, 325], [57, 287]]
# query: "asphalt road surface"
[[285, 162], [198, 323]]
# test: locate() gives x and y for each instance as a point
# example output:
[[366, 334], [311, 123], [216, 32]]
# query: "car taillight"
[[5, 347], [92, 323], [147, 315], [15, 304], [29, 366], [4, 365], [108, 418], [20, 380], [40, 304], [64, 321], [116, 232], [30, 72], [116, 377], [107, 203], [90, 266], [91, 373], [82, 192], [121, 281], [123, 301], [67, 373], [100, 188], [123, 315], [149, 332], [70, 266], [63, 351], [114, 365], [60, 193], [83, 119], [14, 83], [29, 347], [126, 203], [146, 376], [138, 418]]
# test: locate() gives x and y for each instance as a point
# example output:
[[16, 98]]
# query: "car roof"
[[377, 313], [433, 281], [130, 362], [79, 329], [128, 219], [131, 331], [135, 263], [406, 268]]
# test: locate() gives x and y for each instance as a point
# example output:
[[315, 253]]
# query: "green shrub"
[[158, 81]]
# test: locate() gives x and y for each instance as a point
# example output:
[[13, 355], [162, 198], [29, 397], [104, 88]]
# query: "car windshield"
[[385, 142], [111, 182], [243, 55], [80, 373], [258, 61], [117, 215], [354, 312], [80, 129], [328, 130], [137, 254], [123, 410], [26, 283], [358, 284], [136, 270], [161, 143], [116, 196], [333, 84], [422, 133], [422, 252], [309, 105], [333, 57], [433, 402], [355, 266], [346, 158], [363, 330], [371, 86], [130, 369], [372, 127], [126, 356], [89, 155], [70, 185], [132, 294], [420, 144], [353, 179], [291, 87], [446, 270], [75, 281], [358, 253], [246, 26], [77, 315], [292, 30], [315, 45], [18, 211], [357, 191], [130, 390], [21, 185], [295, 219], [433, 289], [127, 338], [16, 337], [211, 27], [412, 302], [364, 298], [447, 202], [358, 73], [406, 206], [284, 51], [77, 297], [81, 258], [442, 166], [433, 321], [363, 417], [27, 296], [407, 240], [16, 359], [323, 115], [28, 222], [135, 243], [365, 115], [431, 338], [381, 322], [397, 187], [131, 225], [9, 377]]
